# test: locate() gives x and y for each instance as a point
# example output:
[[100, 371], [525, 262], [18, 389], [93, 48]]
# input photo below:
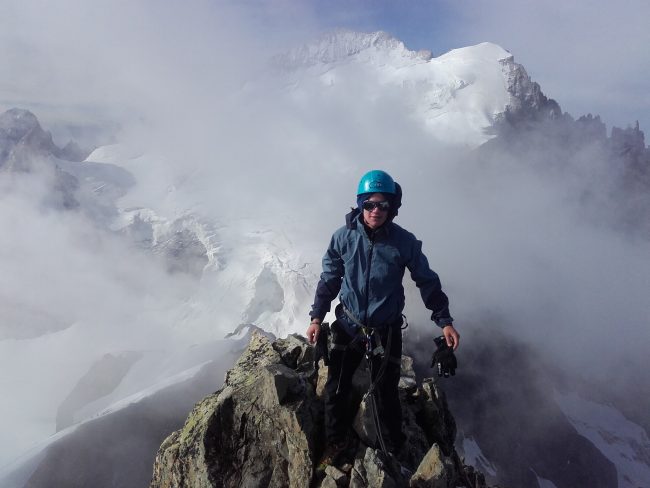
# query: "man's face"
[[376, 217]]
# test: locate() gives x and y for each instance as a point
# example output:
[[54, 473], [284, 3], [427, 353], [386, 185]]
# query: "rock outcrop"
[[265, 428], [527, 102], [22, 139]]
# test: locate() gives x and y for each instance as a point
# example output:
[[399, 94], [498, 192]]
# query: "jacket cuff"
[[442, 323]]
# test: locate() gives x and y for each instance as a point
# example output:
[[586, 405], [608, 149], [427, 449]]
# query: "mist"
[[189, 87]]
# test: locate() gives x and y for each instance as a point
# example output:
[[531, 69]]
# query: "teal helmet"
[[376, 181]]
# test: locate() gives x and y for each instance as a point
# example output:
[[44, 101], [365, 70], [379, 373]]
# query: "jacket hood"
[[353, 221], [352, 218]]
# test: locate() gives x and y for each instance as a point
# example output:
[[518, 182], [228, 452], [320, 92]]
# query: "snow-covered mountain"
[[457, 97], [130, 266]]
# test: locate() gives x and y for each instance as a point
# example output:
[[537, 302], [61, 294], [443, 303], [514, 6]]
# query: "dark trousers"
[[345, 356]]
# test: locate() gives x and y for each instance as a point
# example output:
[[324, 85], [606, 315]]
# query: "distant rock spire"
[[22, 139]]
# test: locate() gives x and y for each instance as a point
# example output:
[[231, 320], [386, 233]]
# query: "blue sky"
[[421, 25]]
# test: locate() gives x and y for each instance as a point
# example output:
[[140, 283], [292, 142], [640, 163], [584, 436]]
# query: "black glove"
[[443, 358], [321, 345]]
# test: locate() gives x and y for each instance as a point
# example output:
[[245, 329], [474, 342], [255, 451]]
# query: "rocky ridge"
[[527, 102], [265, 428], [22, 139]]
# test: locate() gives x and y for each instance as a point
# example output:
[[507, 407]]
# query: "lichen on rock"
[[264, 428]]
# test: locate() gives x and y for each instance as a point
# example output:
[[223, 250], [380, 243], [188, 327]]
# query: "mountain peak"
[[485, 50], [22, 139], [341, 44], [459, 96], [16, 123]]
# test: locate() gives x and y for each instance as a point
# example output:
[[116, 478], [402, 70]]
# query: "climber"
[[365, 262]]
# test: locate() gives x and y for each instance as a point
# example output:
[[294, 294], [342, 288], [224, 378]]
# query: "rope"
[[375, 382]]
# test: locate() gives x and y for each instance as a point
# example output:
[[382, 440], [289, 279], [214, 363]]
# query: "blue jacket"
[[367, 268]]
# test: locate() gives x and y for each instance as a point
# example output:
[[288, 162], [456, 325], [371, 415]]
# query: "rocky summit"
[[264, 428]]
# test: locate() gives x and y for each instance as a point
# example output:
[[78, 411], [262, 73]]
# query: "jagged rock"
[[591, 128], [269, 296], [73, 152], [407, 377], [630, 139], [25, 147], [295, 353], [22, 139], [527, 102], [364, 425], [628, 145], [259, 430], [183, 251], [372, 469], [182, 243], [435, 471], [334, 477], [63, 189], [265, 428]]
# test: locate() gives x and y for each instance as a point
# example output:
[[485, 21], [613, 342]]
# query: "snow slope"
[[623, 442], [456, 97]]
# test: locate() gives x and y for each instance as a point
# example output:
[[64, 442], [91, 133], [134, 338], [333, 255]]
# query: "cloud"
[[69, 293], [254, 149], [121, 60]]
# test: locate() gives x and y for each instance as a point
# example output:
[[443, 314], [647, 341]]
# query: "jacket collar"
[[353, 221]]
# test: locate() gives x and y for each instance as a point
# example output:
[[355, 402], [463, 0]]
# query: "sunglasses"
[[370, 206]]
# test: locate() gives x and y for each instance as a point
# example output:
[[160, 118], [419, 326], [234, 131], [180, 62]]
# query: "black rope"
[[377, 422], [353, 342], [375, 382]]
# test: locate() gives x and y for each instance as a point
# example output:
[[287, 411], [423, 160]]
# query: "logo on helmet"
[[376, 181]]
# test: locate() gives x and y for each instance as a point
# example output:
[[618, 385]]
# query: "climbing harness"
[[373, 347]]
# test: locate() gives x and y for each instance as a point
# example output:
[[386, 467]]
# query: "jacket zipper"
[[368, 276]]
